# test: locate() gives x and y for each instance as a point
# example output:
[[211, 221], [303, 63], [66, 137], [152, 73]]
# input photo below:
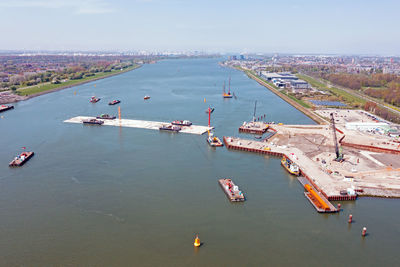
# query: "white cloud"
[[78, 6]]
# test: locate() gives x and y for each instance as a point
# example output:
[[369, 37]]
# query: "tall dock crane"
[[339, 156]]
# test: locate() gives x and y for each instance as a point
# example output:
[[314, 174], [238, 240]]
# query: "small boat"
[[21, 159], [105, 117], [146, 97], [214, 141], [93, 121], [94, 99], [170, 127], [258, 136], [290, 166], [210, 110], [114, 102], [5, 107], [231, 190], [181, 123]]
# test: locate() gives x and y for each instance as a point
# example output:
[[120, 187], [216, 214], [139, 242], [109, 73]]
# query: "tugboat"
[[105, 117], [210, 110], [21, 159], [213, 140], [181, 123], [146, 97], [231, 190], [290, 166], [170, 127], [93, 121], [5, 107], [114, 102], [94, 99]]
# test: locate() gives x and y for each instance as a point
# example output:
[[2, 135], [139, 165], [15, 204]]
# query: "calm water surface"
[[108, 196]]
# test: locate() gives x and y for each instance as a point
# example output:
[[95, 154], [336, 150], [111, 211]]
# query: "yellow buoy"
[[197, 241]]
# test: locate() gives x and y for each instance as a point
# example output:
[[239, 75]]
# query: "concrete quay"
[[152, 125], [326, 184]]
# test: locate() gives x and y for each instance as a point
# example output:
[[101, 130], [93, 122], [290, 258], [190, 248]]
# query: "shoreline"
[[16, 98], [296, 105]]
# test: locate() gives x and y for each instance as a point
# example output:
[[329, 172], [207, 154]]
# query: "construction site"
[[339, 160]]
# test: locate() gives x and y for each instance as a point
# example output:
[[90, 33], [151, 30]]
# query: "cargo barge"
[[231, 190], [106, 117], [114, 102], [290, 166], [21, 159], [5, 107]]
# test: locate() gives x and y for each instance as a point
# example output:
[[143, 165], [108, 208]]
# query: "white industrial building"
[[366, 126]]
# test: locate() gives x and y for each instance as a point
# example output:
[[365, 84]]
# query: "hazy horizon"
[[288, 27]]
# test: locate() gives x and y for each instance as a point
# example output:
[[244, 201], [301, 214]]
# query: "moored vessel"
[[214, 141], [93, 121], [231, 190], [290, 166], [114, 102], [105, 117], [182, 123], [21, 159], [170, 127]]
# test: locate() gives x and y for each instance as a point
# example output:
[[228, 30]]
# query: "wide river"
[[110, 196]]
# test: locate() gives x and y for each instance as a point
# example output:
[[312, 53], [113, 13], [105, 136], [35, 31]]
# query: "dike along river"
[[109, 196]]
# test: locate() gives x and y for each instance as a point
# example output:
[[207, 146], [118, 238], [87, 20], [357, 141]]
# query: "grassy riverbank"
[[49, 87], [347, 97], [298, 104]]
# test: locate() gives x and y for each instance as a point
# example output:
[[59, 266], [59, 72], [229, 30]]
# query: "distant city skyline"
[[287, 26]]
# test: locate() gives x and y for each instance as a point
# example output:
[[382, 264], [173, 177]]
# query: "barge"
[[290, 166], [170, 127], [105, 117], [5, 107], [231, 190], [93, 121], [181, 123], [21, 159], [114, 102], [320, 203], [254, 127]]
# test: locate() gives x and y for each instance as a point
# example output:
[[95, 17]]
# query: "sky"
[[239, 26]]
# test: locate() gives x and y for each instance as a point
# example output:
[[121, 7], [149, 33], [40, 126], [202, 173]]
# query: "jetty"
[[152, 125]]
